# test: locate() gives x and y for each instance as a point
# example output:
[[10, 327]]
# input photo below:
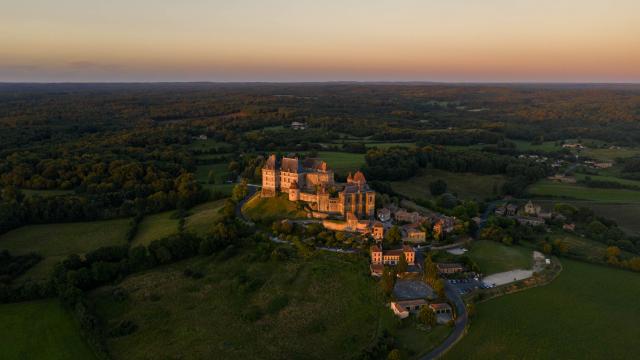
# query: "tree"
[[393, 236], [394, 355], [430, 270], [471, 310], [438, 287], [438, 187], [388, 280], [402, 266], [240, 191], [211, 177], [427, 316]]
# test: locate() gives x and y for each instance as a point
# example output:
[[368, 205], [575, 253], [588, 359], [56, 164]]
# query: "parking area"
[[465, 286]]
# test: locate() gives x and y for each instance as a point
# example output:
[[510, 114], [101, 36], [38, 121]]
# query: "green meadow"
[[466, 185], [54, 242], [242, 308], [588, 312], [266, 210], [40, 330], [493, 257], [579, 192], [342, 162]]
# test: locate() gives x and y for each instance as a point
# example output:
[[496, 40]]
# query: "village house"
[[384, 214], [295, 125], [404, 308], [569, 227], [563, 179], [529, 220], [380, 257], [402, 215], [450, 268], [413, 233], [443, 311]]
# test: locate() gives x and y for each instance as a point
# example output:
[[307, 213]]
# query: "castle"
[[311, 181]]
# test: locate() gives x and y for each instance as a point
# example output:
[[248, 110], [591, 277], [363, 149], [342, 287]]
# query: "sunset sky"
[[304, 40]]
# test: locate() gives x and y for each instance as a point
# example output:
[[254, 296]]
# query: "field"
[[607, 154], [211, 318], [589, 311], [266, 210], [342, 162], [40, 330], [467, 186], [55, 241], [201, 218], [493, 257], [573, 191]]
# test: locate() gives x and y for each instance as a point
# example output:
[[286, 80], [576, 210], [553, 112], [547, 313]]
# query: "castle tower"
[[294, 191], [270, 177]]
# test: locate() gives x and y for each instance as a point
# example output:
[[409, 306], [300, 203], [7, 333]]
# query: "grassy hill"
[[302, 315], [55, 241], [40, 330], [466, 185], [266, 210], [493, 257], [201, 218], [589, 311]]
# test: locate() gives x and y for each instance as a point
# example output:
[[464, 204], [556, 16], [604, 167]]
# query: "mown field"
[[466, 185], [588, 312], [40, 330], [342, 162], [266, 210], [200, 219], [242, 308], [579, 192], [492, 257], [54, 242]]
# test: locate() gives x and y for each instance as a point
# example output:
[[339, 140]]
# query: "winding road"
[[459, 328]]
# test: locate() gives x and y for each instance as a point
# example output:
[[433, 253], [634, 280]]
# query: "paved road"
[[251, 189], [460, 325]]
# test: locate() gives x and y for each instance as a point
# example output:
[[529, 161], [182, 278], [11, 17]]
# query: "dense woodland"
[[123, 149]]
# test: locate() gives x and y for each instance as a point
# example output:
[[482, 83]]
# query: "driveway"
[[459, 328]]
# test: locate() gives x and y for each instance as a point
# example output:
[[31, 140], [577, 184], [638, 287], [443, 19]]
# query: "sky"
[[321, 40]]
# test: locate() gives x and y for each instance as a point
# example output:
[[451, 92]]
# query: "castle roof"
[[271, 162], [315, 164], [290, 165], [359, 177]]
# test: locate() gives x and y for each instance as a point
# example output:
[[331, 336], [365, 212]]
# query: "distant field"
[[573, 191], [156, 226], [56, 241], [547, 146], [208, 144], [267, 210], [389, 145], [466, 185], [342, 162], [588, 312], [493, 257], [610, 154], [304, 314], [220, 173], [40, 330], [589, 249], [609, 178]]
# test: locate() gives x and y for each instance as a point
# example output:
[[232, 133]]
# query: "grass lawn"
[[220, 171], [208, 144], [466, 185], [154, 227], [342, 162], [610, 154], [266, 210], [40, 330], [417, 342], [203, 217], [55, 241], [326, 307], [493, 257], [157, 226], [588, 312], [573, 191]]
